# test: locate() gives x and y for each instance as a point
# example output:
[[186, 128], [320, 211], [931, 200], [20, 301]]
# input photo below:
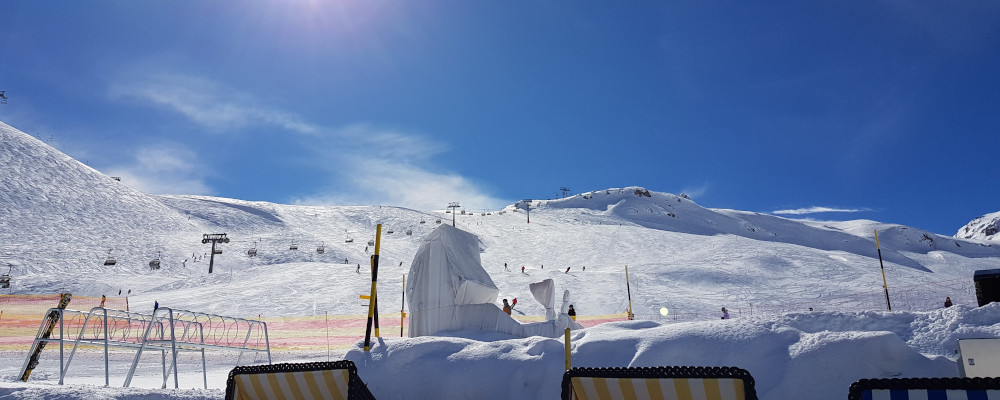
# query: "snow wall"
[[449, 290]]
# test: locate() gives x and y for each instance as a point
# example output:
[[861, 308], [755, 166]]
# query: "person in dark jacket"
[[571, 312], [947, 302]]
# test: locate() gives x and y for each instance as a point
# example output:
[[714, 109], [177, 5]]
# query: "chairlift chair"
[[252, 252], [155, 264], [293, 247], [388, 230], [371, 242], [5, 278], [409, 232], [110, 260], [320, 249], [438, 221], [423, 222]]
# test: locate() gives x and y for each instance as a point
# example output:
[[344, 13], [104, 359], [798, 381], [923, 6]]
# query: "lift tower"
[[213, 238]]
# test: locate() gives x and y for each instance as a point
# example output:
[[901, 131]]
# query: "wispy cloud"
[[165, 168], [816, 210], [206, 102], [367, 163], [391, 167]]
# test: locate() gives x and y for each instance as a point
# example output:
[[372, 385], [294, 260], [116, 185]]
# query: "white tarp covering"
[[449, 290], [446, 272], [545, 293]]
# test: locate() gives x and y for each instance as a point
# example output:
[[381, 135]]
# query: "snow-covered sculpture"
[[448, 290]]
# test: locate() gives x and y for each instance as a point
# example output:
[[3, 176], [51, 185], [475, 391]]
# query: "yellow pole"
[[629, 289], [327, 314], [569, 363], [402, 308], [885, 284], [371, 304]]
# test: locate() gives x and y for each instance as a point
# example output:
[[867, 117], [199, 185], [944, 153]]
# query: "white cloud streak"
[[207, 103], [371, 164], [393, 168], [165, 168], [816, 210]]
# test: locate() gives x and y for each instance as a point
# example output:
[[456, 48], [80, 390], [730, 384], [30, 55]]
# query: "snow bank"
[[806, 355]]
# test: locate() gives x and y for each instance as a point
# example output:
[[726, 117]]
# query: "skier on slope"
[[507, 307], [571, 312], [725, 313]]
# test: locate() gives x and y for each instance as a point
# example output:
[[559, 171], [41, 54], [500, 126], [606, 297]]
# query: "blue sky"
[[883, 110]]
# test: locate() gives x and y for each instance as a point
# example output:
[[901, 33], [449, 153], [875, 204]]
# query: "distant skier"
[[505, 267], [507, 307], [359, 269], [522, 269], [584, 267], [725, 313], [572, 312], [103, 299], [567, 270], [947, 302], [156, 305]]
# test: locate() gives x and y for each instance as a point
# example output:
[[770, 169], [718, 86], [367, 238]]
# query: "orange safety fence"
[[21, 315]]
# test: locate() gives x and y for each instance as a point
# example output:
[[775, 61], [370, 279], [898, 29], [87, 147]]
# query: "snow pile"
[[802, 355], [806, 356]]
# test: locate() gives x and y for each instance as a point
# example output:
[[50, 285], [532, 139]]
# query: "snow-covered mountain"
[[806, 296], [986, 227], [59, 219]]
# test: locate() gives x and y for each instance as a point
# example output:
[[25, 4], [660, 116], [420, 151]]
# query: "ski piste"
[[44, 332]]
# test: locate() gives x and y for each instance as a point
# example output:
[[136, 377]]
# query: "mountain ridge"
[[60, 218]]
